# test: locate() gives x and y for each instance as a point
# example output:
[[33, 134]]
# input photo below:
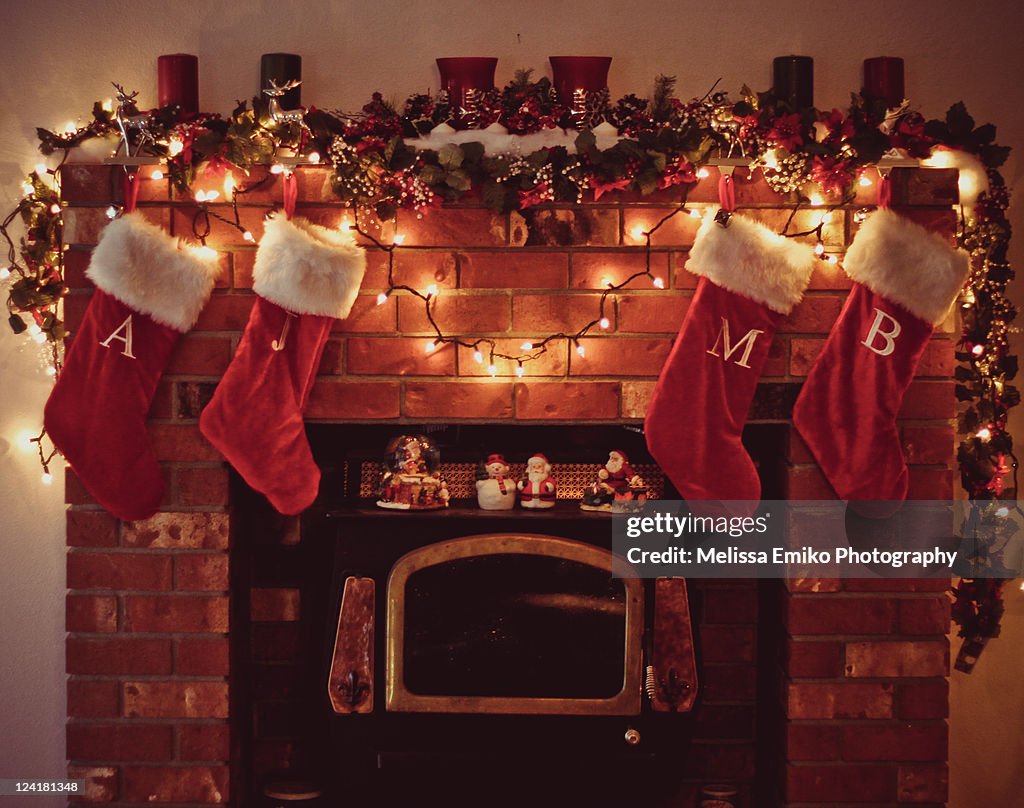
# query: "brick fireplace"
[[814, 692]]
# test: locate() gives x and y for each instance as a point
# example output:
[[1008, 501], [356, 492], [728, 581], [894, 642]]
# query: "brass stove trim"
[[398, 699]]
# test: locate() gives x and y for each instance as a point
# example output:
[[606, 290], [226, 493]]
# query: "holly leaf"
[[960, 123], [586, 141]]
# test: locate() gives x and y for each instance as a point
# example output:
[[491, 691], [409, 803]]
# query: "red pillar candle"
[[462, 73], [794, 81], [883, 79], [571, 73], [178, 81]]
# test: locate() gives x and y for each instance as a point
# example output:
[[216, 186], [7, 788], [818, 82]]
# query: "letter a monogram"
[[889, 337], [125, 337], [747, 343]]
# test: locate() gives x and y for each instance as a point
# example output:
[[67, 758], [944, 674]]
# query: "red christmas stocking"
[[751, 278], [906, 279], [149, 291], [305, 276]]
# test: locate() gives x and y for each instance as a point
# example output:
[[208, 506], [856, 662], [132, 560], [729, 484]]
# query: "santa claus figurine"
[[495, 492], [616, 479], [537, 488]]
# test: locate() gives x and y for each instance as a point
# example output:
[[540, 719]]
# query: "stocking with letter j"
[[905, 281]]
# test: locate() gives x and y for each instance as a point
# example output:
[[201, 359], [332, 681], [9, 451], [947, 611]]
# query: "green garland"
[[376, 166]]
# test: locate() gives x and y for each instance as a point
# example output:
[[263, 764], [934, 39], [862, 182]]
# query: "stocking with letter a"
[[905, 281], [750, 279], [149, 291]]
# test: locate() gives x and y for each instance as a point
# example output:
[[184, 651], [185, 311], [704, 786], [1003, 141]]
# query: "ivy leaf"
[[450, 156], [431, 174], [960, 123], [964, 393], [473, 152], [985, 133], [458, 180]]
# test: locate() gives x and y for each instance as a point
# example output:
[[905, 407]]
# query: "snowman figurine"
[[496, 491]]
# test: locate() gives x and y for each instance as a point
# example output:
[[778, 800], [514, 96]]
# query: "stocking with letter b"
[[905, 281]]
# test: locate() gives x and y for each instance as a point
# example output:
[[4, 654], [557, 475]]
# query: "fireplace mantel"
[[160, 613]]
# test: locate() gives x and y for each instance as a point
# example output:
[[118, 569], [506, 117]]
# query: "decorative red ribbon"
[[131, 191], [884, 192], [726, 193], [290, 189]]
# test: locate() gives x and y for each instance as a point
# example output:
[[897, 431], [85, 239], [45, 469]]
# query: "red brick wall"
[[862, 686]]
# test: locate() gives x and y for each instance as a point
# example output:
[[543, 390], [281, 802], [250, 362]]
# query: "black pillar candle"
[[282, 68], [794, 80]]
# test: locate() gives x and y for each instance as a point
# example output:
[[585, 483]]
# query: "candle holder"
[[464, 81], [178, 82], [883, 80], [581, 84], [282, 68], [793, 81]]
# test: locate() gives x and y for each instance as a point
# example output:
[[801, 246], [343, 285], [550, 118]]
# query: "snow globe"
[[411, 481]]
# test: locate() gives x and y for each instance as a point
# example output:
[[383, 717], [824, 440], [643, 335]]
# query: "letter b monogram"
[[887, 336]]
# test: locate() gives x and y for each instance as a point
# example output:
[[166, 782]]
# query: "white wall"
[[58, 56]]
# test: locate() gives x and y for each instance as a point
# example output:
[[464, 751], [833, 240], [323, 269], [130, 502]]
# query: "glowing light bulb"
[[47, 478], [865, 181], [493, 370], [277, 168], [580, 350], [111, 212], [478, 357], [969, 296], [1002, 513], [247, 236], [108, 105], [175, 147], [70, 128], [527, 346], [51, 371], [978, 350], [605, 322], [1022, 586], [346, 224], [432, 290], [229, 184], [382, 298], [24, 441], [659, 283], [204, 252], [984, 433], [771, 160], [695, 214], [637, 233], [817, 199], [34, 329], [200, 196], [5, 273], [27, 189], [212, 195], [825, 218], [606, 281], [520, 370], [41, 169], [54, 208], [819, 249], [313, 157], [703, 173], [40, 338], [157, 174], [399, 239], [832, 259], [431, 346]]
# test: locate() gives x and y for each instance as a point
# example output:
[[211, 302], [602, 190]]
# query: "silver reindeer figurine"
[[127, 122], [283, 116]]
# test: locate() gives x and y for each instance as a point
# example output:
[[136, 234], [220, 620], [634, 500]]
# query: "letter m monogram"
[[747, 345]]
